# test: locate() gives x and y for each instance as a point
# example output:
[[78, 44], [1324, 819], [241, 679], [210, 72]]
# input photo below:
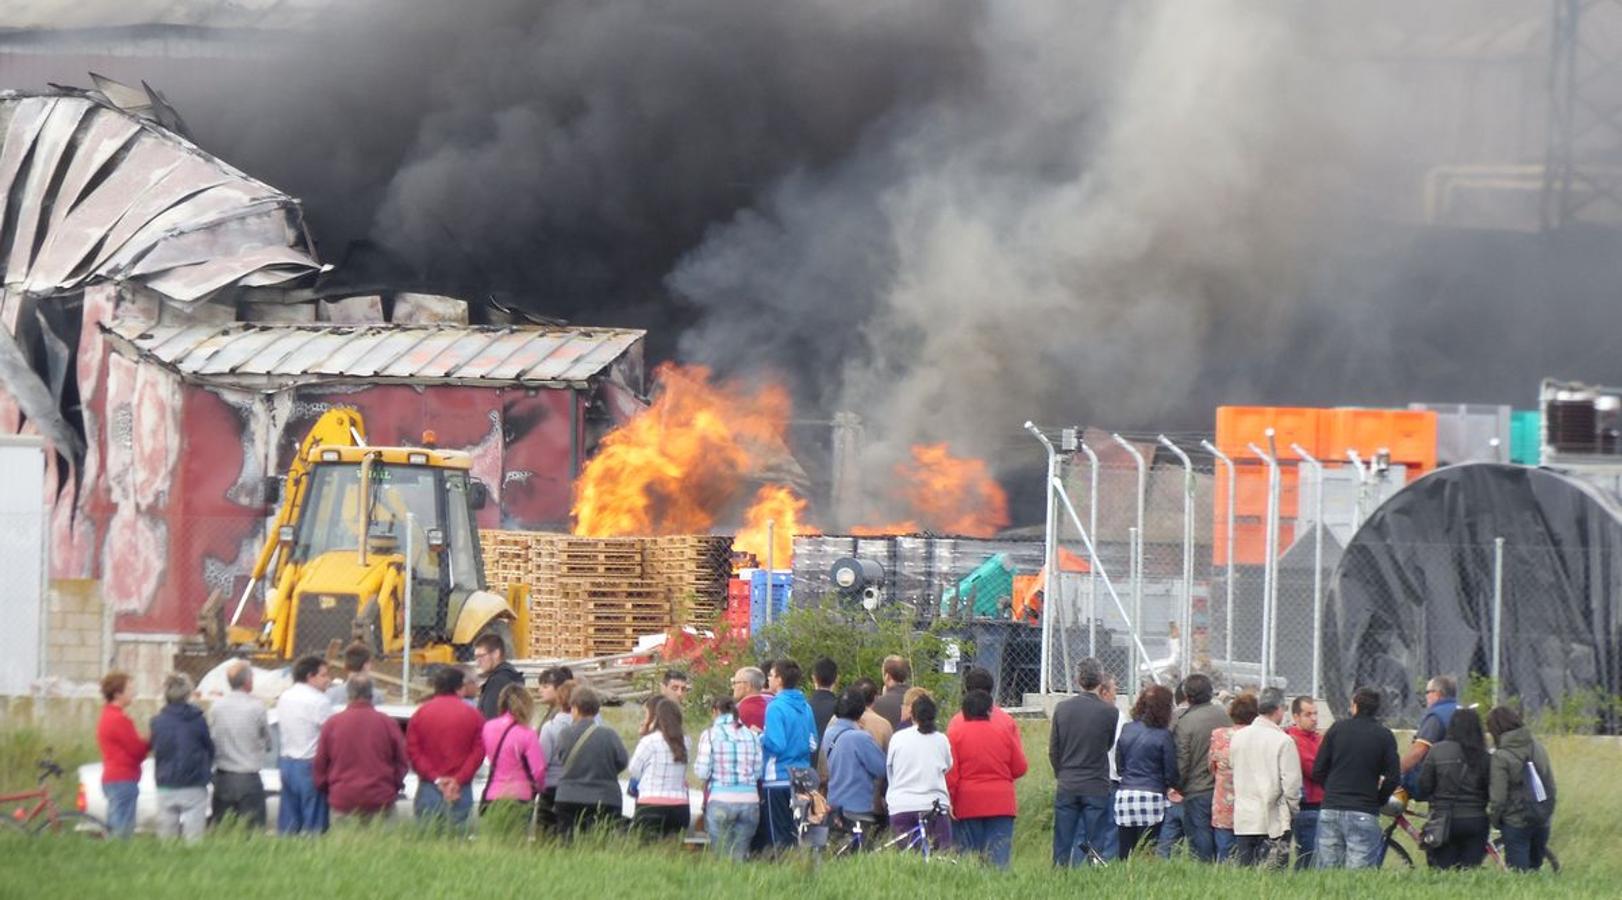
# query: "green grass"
[[399, 860]]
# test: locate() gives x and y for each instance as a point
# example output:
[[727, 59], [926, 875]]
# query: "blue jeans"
[[731, 826], [1224, 840], [1110, 845], [430, 804], [1197, 826], [1305, 826], [303, 808], [1524, 846], [1079, 821], [1171, 830], [121, 806], [1348, 839], [991, 837]]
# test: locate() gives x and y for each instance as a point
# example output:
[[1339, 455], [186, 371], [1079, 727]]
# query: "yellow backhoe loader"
[[368, 539]]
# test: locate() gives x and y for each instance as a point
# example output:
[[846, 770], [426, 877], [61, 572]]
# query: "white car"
[[93, 801]]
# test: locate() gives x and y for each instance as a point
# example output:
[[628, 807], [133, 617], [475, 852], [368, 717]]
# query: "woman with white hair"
[[184, 757]]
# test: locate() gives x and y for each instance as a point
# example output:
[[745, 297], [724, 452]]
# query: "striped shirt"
[[660, 780], [729, 760]]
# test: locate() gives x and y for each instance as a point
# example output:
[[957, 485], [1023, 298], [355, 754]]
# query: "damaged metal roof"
[[258, 357], [90, 190]]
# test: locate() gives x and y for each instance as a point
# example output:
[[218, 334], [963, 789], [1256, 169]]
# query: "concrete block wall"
[[78, 631]]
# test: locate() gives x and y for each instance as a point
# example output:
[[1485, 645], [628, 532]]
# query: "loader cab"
[[389, 492]]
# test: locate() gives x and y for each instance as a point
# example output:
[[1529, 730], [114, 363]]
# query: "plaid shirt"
[[659, 778], [729, 761]]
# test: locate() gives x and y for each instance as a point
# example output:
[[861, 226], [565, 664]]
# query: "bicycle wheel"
[[1396, 856], [74, 823]]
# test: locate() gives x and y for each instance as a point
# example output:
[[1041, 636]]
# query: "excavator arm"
[[336, 427]]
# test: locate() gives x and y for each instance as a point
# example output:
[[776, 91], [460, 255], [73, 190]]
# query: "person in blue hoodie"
[[855, 762], [183, 755], [788, 742]]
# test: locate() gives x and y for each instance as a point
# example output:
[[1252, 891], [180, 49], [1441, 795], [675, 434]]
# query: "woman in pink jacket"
[[517, 765]]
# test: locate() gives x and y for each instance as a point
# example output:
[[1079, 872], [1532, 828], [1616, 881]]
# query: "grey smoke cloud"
[[952, 216]]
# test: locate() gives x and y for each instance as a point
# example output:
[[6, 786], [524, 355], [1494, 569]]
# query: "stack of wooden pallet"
[[596, 596], [694, 570]]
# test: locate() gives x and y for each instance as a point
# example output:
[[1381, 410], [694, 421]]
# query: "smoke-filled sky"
[[952, 215]]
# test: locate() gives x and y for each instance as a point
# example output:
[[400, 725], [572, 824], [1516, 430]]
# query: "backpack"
[[1537, 800]]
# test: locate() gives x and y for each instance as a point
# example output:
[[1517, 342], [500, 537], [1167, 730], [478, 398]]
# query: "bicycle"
[[914, 838], [37, 812], [1397, 808]]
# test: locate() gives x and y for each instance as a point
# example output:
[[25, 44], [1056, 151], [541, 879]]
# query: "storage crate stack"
[[693, 569], [526, 557], [605, 583]]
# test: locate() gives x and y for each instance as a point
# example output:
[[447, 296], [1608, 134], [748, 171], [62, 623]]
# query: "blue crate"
[[782, 590]]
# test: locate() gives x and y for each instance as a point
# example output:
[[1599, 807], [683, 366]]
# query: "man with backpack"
[[1520, 792]]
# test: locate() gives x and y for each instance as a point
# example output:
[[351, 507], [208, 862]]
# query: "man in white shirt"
[[1266, 786], [300, 712]]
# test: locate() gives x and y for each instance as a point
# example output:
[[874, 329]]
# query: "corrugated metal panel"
[[255, 355]]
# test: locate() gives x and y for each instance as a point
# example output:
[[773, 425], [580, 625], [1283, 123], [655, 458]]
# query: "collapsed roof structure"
[[166, 337]]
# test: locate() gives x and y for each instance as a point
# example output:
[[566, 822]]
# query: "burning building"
[[164, 338]]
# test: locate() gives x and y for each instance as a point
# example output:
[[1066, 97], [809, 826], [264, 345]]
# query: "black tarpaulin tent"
[[1413, 594]]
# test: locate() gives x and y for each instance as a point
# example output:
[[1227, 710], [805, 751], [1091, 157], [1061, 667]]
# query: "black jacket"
[[1357, 765], [822, 709], [1079, 745], [1450, 784], [490, 694], [182, 751]]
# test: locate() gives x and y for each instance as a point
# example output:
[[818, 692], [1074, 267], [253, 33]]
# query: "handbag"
[[1438, 828]]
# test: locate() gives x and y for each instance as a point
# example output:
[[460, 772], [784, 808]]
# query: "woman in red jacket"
[[986, 759], [122, 751]]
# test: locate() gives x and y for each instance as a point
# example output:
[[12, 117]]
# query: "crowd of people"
[[1248, 781]]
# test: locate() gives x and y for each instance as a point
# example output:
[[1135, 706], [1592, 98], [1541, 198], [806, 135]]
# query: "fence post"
[[1228, 576], [1137, 556], [1186, 619], [771, 575], [1049, 556], [1092, 573], [1268, 568], [1497, 614], [1317, 567], [410, 576]]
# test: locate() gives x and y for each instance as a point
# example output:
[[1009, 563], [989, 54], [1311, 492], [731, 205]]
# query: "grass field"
[[400, 861]]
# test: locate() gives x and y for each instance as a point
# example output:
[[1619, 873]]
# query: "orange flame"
[[777, 504], [682, 462], [945, 494]]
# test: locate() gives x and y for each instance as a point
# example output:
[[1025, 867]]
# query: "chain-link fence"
[[1174, 558], [1182, 559]]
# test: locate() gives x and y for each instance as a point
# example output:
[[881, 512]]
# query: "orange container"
[[1239, 426], [1409, 435]]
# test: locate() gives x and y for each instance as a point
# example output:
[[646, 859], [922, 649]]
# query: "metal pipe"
[[1317, 568], [1497, 615], [1228, 576], [1092, 552], [1092, 576], [1137, 550], [1186, 620], [1049, 554], [1271, 543], [771, 573], [1362, 485], [410, 576]]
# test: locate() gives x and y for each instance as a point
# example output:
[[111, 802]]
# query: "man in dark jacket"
[[490, 655], [897, 679], [1192, 733], [1078, 749], [360, 758], [184, 756], [824, 672], [1358, 767]]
